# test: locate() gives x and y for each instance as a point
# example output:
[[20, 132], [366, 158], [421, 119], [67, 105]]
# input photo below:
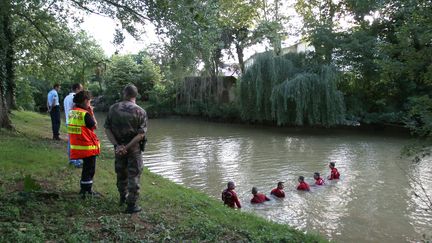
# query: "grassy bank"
[[39, 201]]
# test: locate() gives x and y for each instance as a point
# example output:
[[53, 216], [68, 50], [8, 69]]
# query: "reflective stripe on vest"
[[81, 147], [74, 130]]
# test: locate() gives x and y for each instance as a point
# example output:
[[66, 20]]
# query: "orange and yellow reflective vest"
[[83, 141]]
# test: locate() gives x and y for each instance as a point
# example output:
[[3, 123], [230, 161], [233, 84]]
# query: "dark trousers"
[[87, 174], [55, 121], [128, 169]]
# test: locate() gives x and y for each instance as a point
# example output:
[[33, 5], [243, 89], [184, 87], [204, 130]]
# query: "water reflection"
[[420, 193], [374, 201]]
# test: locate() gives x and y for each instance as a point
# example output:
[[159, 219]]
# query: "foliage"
[[129, 69], [419, 118], [25, 94], [67, 57], [161, 100], [384, 51], [309, 98], [199, 34], [292, 90], [319, 25], [43, 26]]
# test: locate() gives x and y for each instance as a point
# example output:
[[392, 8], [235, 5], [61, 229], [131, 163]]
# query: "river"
[[374, 201]]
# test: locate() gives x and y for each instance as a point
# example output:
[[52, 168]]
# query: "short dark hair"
[[76, 86], [254, 190], [301, 178], [332, 164], [317, 174], [56, 85], [130, 91], [280, 183], [230, 183], [82, 96]]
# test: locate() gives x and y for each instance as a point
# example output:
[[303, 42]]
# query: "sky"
[[103, 28]]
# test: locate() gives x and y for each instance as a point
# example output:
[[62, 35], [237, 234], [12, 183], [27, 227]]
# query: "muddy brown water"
[[374, 201]]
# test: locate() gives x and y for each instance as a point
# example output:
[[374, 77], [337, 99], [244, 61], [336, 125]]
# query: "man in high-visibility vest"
[[84, 144], [126, 127]]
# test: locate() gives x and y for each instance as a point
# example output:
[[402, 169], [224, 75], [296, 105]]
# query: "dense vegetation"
[[290, 89], [39, 200], [377, 54]]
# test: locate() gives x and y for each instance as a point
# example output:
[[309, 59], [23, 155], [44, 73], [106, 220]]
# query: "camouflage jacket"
[[125, 119]]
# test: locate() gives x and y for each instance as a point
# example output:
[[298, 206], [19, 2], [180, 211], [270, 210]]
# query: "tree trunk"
[[4, 114], [240, 57], [10, 64], [5, 45], [10, 76]]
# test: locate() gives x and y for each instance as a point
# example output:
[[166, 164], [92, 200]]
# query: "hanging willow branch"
[[290, 91]]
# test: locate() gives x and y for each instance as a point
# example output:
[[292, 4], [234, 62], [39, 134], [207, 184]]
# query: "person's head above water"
[[254, 190], [231, 185], [301, 178], [332, 164], [316, 175], [280, 185]]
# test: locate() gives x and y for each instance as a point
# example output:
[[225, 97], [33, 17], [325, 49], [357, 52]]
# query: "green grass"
[[39, 201]]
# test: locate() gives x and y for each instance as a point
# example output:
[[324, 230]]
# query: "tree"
[[237, 19], [290, 90], [320, 25], [5, 68], [271, 25], [131, 69], [192, 30], [35, 13], [69, 57]]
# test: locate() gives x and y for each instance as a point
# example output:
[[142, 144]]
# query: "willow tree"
[[289, 90], [309, 98]]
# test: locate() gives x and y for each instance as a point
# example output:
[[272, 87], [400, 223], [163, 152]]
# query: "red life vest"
[[334, 174], [259, 198], [319, 181], [303, 186], [83, 141], [278, 192]]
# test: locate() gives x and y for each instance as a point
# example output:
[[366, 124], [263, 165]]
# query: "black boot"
[[86, 191], [133, 208]]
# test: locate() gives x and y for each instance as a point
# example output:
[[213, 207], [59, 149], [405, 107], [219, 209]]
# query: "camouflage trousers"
[[128, 169]]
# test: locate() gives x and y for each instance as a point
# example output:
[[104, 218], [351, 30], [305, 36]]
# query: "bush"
[[127, 69], [419, 116], [24, 94], [161, 100]]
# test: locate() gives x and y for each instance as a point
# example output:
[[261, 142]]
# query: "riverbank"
[[39, 201], [228, 114]]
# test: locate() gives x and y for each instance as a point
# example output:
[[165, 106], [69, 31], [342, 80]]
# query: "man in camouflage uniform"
[[126, 127]]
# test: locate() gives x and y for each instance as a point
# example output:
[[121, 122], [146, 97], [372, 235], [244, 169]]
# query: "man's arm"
[[237, 201], [135, 140]]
